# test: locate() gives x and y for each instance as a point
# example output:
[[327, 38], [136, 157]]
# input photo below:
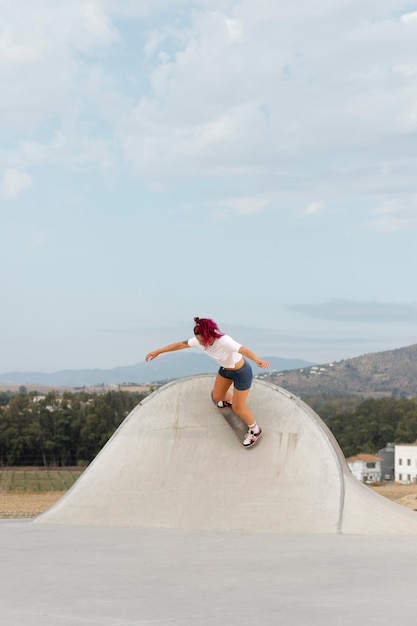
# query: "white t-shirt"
[[224, 350]]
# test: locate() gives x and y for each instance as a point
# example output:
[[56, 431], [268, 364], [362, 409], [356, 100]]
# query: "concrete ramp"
[[175, 463]]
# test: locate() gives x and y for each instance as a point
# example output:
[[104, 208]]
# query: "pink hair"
[[207, 329]]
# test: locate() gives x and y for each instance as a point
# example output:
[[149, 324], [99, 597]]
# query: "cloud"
[[354, 311], [13, 182], [409, 17], [53, 72], [393, 215], [227, 208], [235, 30], [212, 89], [68, 148], [324, 74], [314, 207], [14, 51], [406, 69]]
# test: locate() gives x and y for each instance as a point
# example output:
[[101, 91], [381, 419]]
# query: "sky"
[[254, 163]]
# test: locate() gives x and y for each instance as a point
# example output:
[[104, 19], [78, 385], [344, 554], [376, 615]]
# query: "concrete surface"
[[212, 538], [176, 463], [55, 575]]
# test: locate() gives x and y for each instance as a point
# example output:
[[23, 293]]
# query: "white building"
[[366, 467], [405, 467]]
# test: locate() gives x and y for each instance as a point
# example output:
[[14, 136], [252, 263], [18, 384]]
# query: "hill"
[[388, 373], [167, 367], [379, 374]]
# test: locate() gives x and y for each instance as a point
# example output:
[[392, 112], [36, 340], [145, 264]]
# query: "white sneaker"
[[224, 404], [251, 438]]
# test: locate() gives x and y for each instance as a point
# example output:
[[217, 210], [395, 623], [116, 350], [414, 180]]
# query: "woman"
[[233, 369]]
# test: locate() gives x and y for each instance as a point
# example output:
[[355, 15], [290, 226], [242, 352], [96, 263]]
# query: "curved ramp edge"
[[175, 463]]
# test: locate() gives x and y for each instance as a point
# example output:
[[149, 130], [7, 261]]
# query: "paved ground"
[[71, 576], [148, 537]]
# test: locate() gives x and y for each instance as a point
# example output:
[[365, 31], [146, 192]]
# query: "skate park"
[[175, 522]]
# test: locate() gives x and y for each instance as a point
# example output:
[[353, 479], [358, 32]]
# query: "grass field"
[[38, 479]]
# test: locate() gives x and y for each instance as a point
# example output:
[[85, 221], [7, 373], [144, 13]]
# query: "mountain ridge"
[[167, 367], [377, 374]]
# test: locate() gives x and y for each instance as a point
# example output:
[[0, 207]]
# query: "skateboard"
[[235, 422]]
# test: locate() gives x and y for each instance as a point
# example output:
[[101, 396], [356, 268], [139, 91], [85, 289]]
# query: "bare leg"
[[221, 389], [221, 392], [240, 408]]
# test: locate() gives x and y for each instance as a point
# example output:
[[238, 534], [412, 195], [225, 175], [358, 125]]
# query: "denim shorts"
[[242, 378]]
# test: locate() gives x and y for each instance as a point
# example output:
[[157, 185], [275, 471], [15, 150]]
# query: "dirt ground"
[[17, 505], [406, 495], [24, 504]]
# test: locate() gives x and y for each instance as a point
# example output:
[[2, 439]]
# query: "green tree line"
[[58, 430], [366, 426], [71, 429]]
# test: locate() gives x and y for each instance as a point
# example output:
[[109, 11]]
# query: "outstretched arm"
[[251, 355], [178, 345]]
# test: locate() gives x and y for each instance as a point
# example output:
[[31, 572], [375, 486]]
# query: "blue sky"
[[161, 160]]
